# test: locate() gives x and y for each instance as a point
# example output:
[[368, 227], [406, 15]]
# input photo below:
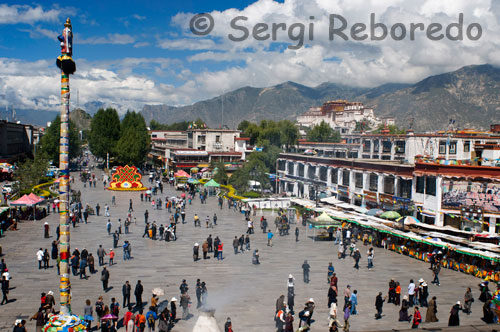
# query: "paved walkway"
[[236, 288]]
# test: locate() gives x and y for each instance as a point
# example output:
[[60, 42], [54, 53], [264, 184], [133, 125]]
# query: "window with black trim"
[[345, 178], [430, 185], [453, 148], [373, 182], [442, 147], [358, 180], [389, 185], [467, 146], [420, 185], [335, 175]]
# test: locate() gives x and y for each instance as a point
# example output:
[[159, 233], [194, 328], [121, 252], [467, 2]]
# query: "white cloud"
[[262, 63], [193, 44], [110, 38], [15, 14], [36, 85], [363, 63], [139, 17]]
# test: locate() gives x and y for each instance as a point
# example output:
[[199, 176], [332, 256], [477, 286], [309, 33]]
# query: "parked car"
[[9, 188]]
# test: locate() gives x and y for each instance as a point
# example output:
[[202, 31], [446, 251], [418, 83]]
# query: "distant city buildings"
[[341, 115], [199, 148], [443, 178], [16, 141]]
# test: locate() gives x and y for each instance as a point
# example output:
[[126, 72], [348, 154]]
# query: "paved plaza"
[[247, 293]]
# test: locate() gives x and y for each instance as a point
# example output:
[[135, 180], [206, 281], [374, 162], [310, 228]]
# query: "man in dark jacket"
[[105, 278], [101, 253], [138, 294], [235, 245], [379, 303], [305, 271], [126, 289]]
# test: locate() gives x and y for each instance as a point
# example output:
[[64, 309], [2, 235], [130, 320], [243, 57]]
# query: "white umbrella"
[[158, 292]]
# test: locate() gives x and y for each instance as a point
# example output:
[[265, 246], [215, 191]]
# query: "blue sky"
[[129, 55]]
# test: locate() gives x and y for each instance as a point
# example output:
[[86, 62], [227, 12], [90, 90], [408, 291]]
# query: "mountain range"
[[469, 95]]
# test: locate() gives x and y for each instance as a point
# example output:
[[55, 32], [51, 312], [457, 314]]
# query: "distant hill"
[[469, 95], [81, 119]]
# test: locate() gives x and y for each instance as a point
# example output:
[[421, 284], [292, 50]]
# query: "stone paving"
[[236, 288]]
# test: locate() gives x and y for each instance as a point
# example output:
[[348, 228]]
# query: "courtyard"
[[247, 293]]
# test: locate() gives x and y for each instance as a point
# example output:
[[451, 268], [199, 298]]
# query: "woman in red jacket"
[[417, 318]]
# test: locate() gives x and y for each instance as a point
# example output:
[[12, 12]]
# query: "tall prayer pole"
[[67, 66]]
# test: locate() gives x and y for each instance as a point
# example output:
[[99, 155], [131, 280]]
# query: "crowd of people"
[[162, 315]]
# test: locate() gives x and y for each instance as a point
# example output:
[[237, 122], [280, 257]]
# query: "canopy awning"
[[211, 183], [182, 174], [25, 201]]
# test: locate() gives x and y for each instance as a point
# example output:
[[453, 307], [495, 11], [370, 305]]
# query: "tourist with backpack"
[[140, 322], [114, 307], [151, 318], [99, 309]]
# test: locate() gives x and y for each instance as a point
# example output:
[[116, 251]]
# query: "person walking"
[[353, 301], [220, 247], [468, 299], [296, 234], [126, 290], [196, 251], [379, 303], [5, 290], [138, 294], [454, 319], [46, 259], [100, 254], [417, 318], [151, 318], [305, 271], [204, 248], [88, 314], [105, 278], [430, 316], [411, 293], [108, 226], [116, 237], [270, 238], [356, 256], [99, 310], [370, 257], [111, 257], [39, 257], [228, 326], [184, 303], [106, 210], [97, 209], [235, 245], [46, 229], [436, 269]]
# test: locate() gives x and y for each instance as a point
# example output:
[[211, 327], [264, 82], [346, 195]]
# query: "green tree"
[[31, 172], [258, 171], [363, 125], [289, 133], [393, 129], [323, 133], [220, 176], [239, 179], [104, 132], [134, 142], [50, 141]]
